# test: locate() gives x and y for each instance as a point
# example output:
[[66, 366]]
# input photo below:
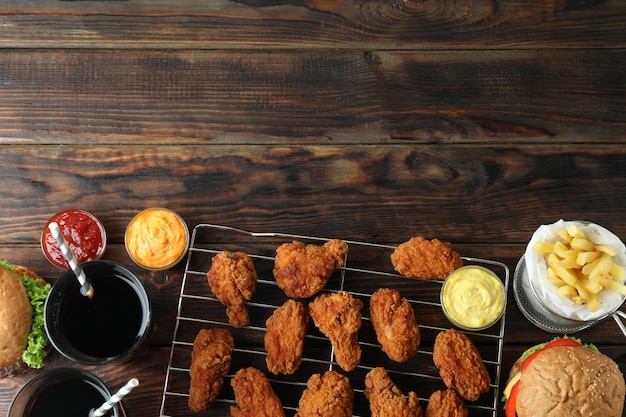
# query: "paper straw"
[[117, 397], [85, 287]]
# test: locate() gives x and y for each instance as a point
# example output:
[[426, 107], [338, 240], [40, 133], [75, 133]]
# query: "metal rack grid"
[[367, 267]]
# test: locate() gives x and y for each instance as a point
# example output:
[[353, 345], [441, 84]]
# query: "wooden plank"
[[370, 193], [278, 24], [68, 96]]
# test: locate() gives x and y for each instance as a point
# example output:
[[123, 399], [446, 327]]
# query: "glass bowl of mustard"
[[473, 297], [157, 239]]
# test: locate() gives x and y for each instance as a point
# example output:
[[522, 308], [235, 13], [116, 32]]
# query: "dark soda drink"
[[106, 325], [114, 324], [63, 392]]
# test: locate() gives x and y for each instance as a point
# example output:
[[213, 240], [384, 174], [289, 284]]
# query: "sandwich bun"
[[565, 378], [20, 322], [15, 318], [571, 381]]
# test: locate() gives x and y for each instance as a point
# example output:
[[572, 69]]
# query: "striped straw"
[[117, 397], [85, 287]]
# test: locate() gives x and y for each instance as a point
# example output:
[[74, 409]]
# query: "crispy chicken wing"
[[393, 319], [301, 271], [254, 395], [338, 316], [386, 399], [210, 362], [446, 404], [284, 337], [326, 395], [232, 279], [460, 364], [427, 259]]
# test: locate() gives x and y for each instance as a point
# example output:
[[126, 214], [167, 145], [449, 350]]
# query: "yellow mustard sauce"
[[156, 238], [472, 297]]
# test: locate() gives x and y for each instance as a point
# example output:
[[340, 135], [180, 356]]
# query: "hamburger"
[[23, 340], [564, 377]]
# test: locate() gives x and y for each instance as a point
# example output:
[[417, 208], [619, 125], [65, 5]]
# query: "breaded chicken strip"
[[427, 259], [338, 316], [386, 399], [210, 362], [284, 337], [393, 319], [446, 404], [232, 279], [254, 395], [460, 364], [302, 271], [327, 395]]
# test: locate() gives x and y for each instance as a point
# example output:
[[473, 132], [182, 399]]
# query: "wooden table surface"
[[473, 122]]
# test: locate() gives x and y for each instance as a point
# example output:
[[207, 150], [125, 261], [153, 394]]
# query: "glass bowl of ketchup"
[[83, 232]]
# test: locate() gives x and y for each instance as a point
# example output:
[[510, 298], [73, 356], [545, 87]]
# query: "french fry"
[[543, 247], [560, 247], [584, 258], [574, 232], [566, 253], [602, 268], [613, 285], [593, 304], [567, 291], [606, 249], [555, 280], [581, 269], [566, 275], [617, 272], [582, 291], [565, 236], [568, 263], [580, 244], [592, 287]]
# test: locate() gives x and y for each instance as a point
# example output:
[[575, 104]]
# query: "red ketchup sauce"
[[82, 231]]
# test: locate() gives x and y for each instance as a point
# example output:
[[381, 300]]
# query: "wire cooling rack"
[[367, 267]]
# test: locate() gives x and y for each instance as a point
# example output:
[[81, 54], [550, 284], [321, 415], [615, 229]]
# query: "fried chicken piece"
[[394, 322], [446, 404], [254, 395], [338, 316], [386, 399], [284, 337], [427, 259], [302, 271], [460, 364], [326, 395], [210, 362], [232, 279]]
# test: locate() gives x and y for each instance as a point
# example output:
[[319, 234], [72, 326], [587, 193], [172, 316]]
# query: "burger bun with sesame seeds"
[[567, 380]]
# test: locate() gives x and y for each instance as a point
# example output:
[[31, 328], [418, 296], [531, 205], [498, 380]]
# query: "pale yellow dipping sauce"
[[156, 238], [473, 297]]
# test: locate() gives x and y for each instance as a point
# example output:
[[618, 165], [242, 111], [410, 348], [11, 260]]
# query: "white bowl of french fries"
[[576, 269]]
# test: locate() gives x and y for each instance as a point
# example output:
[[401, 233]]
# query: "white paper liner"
[[548, 293]]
